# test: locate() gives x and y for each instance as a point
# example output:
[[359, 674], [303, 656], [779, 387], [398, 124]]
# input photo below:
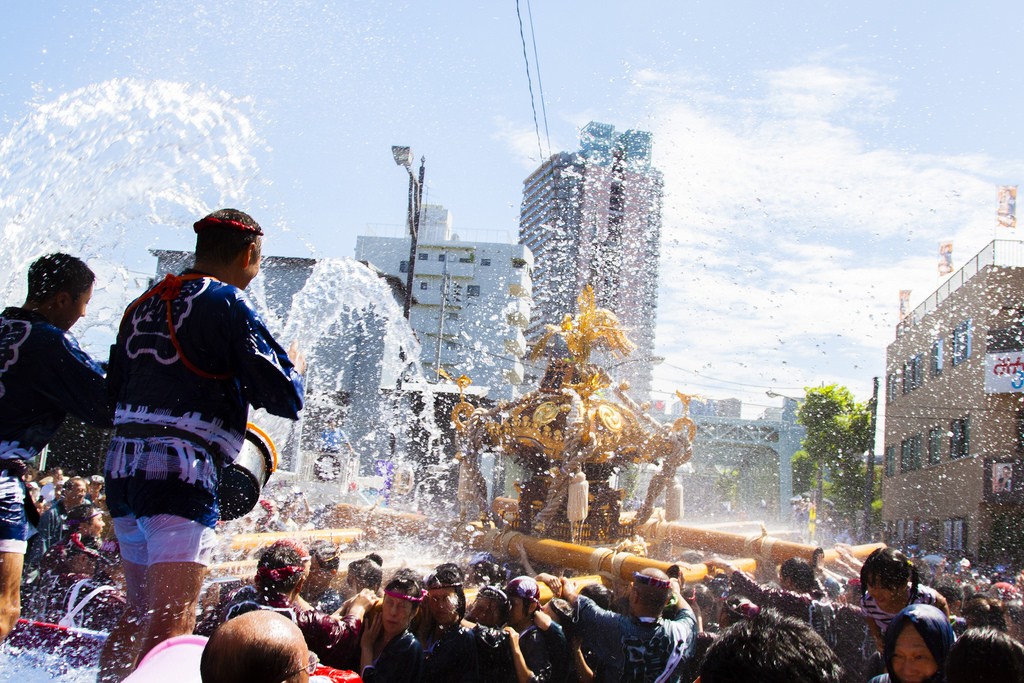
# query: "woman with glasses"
[[390, 652]]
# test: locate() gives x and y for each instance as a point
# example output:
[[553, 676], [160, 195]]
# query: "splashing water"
[[112, 169]]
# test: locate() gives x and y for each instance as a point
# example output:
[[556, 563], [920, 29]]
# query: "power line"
[[540, 83], [529, 81], [726, 381]]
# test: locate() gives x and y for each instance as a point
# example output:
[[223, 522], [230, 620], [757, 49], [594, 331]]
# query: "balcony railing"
[[1002, 253]]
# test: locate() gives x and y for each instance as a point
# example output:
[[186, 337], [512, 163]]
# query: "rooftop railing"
[[1002, 253]]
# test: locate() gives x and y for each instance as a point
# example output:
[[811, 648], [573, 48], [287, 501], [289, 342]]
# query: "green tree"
[[804, 471], [838, 435]]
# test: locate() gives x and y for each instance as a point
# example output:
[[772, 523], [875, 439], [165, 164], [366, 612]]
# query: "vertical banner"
[[945, 258], [1006, 214], [904, 303]]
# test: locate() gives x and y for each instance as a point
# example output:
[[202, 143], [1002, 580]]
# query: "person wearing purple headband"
[[390, 652], [643, 646]]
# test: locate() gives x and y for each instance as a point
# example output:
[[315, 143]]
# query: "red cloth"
[[338, 675]]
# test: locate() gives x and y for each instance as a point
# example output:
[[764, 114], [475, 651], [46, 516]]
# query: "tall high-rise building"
[[594, 217]]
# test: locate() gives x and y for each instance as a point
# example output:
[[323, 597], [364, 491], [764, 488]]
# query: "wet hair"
[[80, 514], [736, 608], [280, 568], [985, 654], [407, 582], [981, 611], [223, 243], [497, 595], [326, 555], [891, 569], [54, 273], [600, 594], [485, 571], [366, 573], [952, 591], [800, 574], [449, 575], [798, 654]]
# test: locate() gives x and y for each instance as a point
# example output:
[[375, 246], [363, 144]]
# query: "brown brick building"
[[953, 464]]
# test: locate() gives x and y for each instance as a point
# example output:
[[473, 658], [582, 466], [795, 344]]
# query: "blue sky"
[[814, 153]]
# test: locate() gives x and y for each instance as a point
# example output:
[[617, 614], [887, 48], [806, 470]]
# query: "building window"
[[424, 285], [959, 438], [465, 259], [910, 454], [936, 358], [954, 534], [912, 375], [472, 290], [892, 386], [961, 342], [423, 256], [518, 262], [890, 461], [934, 446], [485, 262], [403, 267]]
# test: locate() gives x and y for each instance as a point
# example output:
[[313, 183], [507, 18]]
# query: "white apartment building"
[[471, 301]]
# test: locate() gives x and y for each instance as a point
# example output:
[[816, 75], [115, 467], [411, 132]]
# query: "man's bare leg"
[[10, 591], [172, 593], [121, 651]]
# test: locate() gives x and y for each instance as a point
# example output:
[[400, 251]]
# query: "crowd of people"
[[889, 619]]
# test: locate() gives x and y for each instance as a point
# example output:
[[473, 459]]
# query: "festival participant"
[[889, 582], [643, 646], [533, 661], [365, 573], [486, 616], [769, 648], [44, 375], [800, 596], [74, 588], [257, 646], [280, 573], [191, 356], [985, 654], [917, 642], [51, 527], [450, 648], [318, 589], [390, 652]]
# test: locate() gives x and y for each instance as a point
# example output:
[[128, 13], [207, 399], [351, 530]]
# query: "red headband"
[[281, 573], [211, 221], [407, 598]]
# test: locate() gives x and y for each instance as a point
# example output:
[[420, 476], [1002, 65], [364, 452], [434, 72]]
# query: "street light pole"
[[403, 157]]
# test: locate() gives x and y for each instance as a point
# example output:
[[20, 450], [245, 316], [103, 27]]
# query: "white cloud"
[[793, 231]]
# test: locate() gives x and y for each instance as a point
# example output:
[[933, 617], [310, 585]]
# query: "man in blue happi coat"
[[191, 356], [44, 375]]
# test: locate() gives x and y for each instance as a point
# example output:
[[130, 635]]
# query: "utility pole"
[[869, 492], [445, 280]]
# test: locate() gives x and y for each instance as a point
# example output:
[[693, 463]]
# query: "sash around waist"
[[136, 430]]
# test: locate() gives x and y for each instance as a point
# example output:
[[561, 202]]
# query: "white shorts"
[[9, 545], [164, 538]]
